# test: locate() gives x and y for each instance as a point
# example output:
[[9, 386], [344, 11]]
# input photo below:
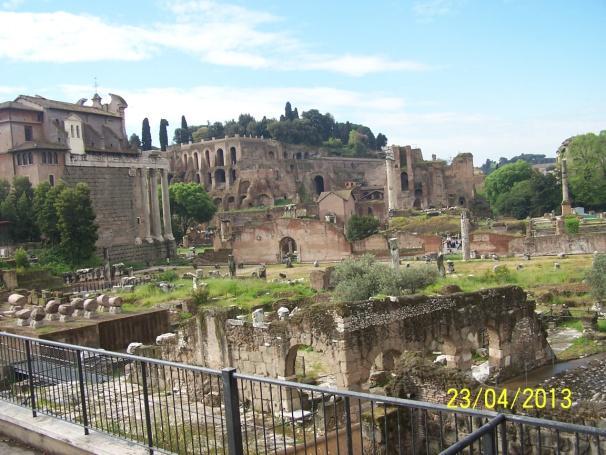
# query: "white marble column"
[[168, 229], [145, 218], [155, 206]]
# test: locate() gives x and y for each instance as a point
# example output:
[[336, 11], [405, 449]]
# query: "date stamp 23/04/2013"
[[528, 398]]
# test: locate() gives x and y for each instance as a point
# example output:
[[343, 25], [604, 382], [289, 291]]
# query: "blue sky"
[[491, 77]]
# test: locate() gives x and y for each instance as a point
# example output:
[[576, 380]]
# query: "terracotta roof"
[[20, 106], [343, 194], [52, 104], [35, 145]]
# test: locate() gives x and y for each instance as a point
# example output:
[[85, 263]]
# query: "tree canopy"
[[518, 190], [531, 158], [310, 127], [146, 140], [163, 134], [586, 160], [359, 227], [190, 204]]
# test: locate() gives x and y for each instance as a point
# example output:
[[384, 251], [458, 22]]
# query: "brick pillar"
[[145, 219], [168, 229], [155, 206]]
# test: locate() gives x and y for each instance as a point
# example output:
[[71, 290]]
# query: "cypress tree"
[[185, 135], [163, 134], [146, 141]]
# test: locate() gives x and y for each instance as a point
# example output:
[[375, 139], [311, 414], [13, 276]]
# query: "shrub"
[[200, 295], [168, 275], [596, 277], [359, 227], [361, 278], [21, 259], [571, 224]]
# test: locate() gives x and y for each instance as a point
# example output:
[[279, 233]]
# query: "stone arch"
[[287, 246], [219, 158], [417, 203], [232, 155], [207, 156], [404, 181], [271, 155], [244, 186], [462, 201], [218, 203], [219, 176], [231, 203], [318, 184], [263, 200], [196, 161]]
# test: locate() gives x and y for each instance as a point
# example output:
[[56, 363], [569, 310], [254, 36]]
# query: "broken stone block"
[[133, 347], [65, 312], [166, 338], [283, 313], [258, 317], [37, 317], [78, 305], [321, 280], [52, 310], [103, 302], [23, 317], [90, 308], [115, 305], [16, 300]]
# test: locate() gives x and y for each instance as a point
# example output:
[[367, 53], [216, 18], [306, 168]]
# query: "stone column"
[[168, 229], [566, 207], [465, 235], [155, 206], [391, 190], [145, 219]]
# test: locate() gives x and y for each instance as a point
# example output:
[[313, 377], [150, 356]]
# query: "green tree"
[[21, 258], [381, 141], [185, 133], [45, 198], [190, 204], [586, 160], [535, 196], [146, 140], [163, 134], [5, 189], [596, 277], [134, 141], [288, 114], [76, 222], [359, 227], [502, 180]]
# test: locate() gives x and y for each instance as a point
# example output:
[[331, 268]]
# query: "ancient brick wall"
[[563, 243]]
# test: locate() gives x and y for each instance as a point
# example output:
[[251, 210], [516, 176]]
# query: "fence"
[[169, 407]]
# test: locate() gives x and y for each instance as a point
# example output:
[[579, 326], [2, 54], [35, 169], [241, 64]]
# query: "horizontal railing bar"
[[369, 397], [474, 436], [115, 354], [555, 425]]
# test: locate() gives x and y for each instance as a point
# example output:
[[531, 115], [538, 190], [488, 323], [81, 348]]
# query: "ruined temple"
[[243, 172]]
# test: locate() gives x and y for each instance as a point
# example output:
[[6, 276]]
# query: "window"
[[39, 116], [44, 157], [55, 158], [30, 158], [78, 131], [29, 135], [72, 130], [19, 159], [51, 180]]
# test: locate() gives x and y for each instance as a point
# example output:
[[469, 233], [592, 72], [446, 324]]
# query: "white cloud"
[[220, 34], [444, 133]]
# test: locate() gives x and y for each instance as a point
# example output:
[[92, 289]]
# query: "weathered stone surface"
[[17, 299], [321, 280]]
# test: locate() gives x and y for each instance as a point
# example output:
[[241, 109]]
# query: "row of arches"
[[218, 158]]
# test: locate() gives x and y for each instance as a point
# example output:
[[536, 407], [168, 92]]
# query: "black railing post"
[[488, 442], [231, 400], [348, 437], [30, 375], [150, 440], [82, 393], [503, 437]]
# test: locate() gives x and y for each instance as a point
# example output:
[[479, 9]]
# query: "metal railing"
[[175, 408]]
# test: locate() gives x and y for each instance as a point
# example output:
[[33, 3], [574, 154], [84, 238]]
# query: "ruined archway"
[[207, 156], [318, 184], [288, 246], [263, 200], [196, 161], [231, 203], [218, 203], [232, 155], [383, 365], [219, 176]]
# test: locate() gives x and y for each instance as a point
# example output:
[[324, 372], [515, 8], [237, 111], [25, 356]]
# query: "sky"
[[491, 77]]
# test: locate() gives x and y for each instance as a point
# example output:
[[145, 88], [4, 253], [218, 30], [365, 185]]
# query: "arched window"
[[233, 175], [319, 184], [271, 155], [210, 179], [197, 178], [219, 159], [72, 130], [219, 176], [232, 155], [207, 156], [78, 131], [196, 162]]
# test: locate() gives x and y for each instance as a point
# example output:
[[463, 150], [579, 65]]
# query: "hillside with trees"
[[309, 128], [530, 158]]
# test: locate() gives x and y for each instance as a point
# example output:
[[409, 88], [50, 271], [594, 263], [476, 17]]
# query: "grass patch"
[[581, 347], [572, 324], [246, 293]]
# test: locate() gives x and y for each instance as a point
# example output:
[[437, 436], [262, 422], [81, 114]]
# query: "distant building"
[[47, 141]]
